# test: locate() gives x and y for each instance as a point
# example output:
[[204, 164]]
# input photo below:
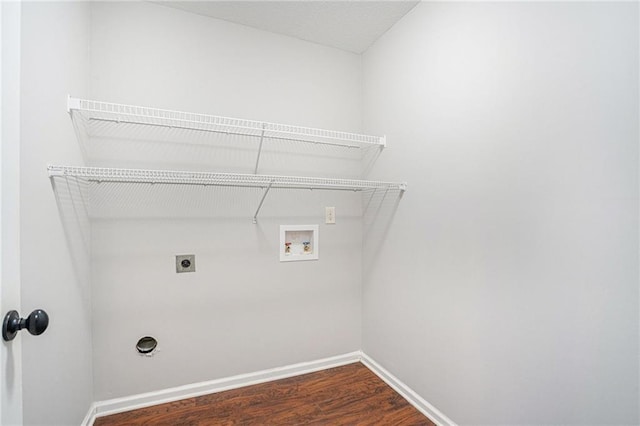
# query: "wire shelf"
[[100, 174], [88, 111], [115, 134]]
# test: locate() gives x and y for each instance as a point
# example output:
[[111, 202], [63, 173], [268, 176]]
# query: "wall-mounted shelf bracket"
[[73, 104], [266, 191], [56, 171], [264, 126]]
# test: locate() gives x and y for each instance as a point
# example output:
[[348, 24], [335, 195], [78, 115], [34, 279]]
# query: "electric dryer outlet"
[[185, 263]]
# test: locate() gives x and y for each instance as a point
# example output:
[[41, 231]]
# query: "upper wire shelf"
[[143, 116]]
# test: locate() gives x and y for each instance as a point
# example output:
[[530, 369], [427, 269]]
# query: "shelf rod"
[[223, 184], [224, 132], [255, 216], [255, 171]]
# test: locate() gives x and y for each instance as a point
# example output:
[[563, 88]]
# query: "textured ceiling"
[[347, 25]]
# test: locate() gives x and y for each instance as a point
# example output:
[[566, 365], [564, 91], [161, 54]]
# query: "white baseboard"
[[90, 417], [133, 402], [407, 393]]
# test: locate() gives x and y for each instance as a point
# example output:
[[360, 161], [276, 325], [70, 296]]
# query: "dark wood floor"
[[348, 395]]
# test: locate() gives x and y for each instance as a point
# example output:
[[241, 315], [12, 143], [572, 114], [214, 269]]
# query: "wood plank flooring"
[[348, 395]]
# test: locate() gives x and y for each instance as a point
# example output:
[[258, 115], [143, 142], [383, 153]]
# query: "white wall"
[[506, 291], [57, 366], [242, 310], [158, 56]]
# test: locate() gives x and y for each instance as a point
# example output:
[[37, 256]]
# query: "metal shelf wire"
[[265, 182], [100, 174], [86, 111]]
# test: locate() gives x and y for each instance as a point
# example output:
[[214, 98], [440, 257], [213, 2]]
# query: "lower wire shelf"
[[266, 182]]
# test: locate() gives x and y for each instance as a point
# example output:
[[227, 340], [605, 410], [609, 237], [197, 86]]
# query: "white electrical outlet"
[[330, 215]]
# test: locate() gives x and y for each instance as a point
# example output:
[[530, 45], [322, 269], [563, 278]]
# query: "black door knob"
[[36, 323]]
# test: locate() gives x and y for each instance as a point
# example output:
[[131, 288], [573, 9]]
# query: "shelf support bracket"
[[255, 170], [255, 216], [72, 103]]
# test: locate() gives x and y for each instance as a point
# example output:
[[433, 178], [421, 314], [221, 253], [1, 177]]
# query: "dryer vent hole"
[[146, 345]]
